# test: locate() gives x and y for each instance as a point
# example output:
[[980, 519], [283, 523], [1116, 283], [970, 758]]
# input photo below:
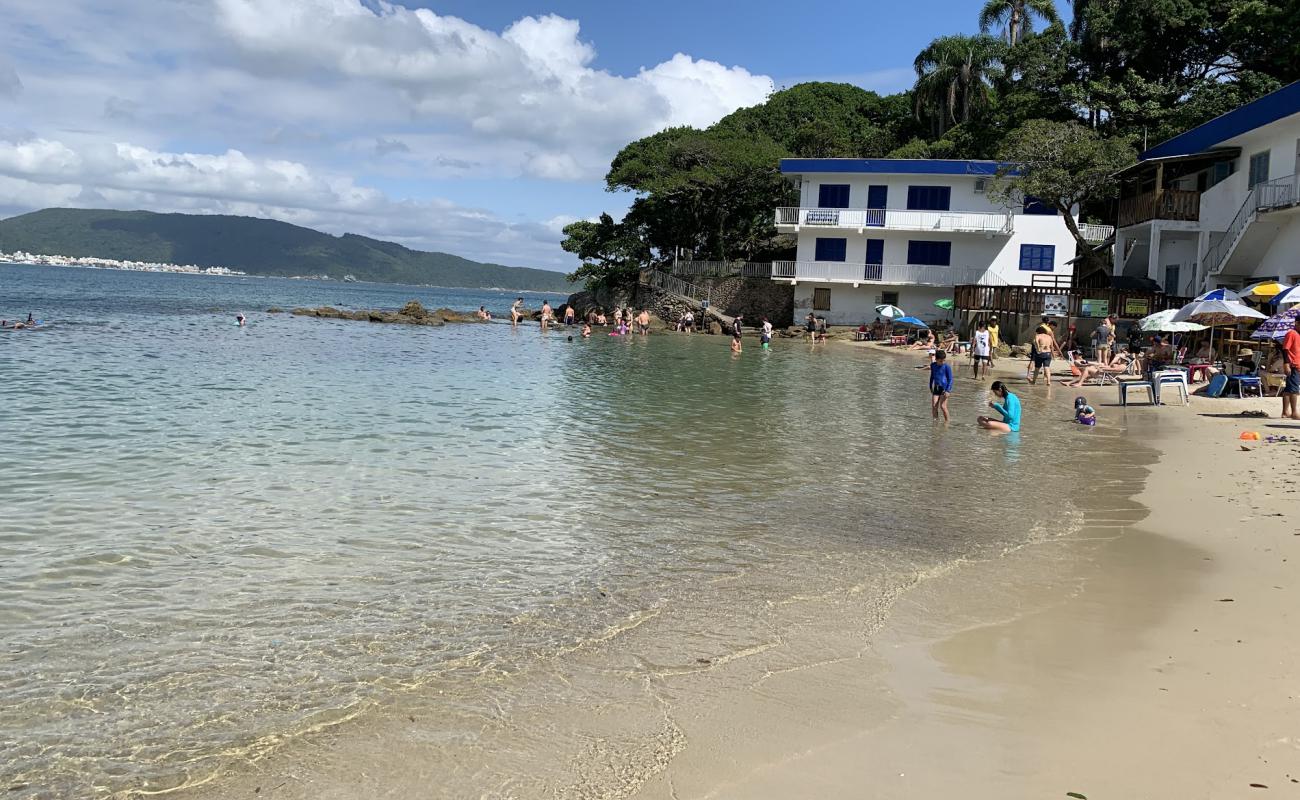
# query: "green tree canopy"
[[1015, 17], [954, 77]]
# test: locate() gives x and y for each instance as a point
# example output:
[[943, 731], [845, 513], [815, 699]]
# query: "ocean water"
[[216, 542]]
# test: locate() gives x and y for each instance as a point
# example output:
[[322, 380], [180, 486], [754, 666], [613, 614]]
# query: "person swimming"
[[239, 319]]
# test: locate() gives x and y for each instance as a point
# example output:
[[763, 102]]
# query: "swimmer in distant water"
[[30, 321], [239, 319], [586, 330]]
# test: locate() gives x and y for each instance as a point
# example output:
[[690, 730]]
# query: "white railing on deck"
[[897, 219], [1096, 233], [722, 269], [892, 274]]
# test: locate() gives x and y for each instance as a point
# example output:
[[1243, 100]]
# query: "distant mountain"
[[255, 246]]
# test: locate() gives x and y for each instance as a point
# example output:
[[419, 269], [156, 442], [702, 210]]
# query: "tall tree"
[[1063, 164], [1015, 17], [954, 77]]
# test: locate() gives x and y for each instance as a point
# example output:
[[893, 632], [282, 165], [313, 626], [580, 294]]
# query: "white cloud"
[[305, 109]]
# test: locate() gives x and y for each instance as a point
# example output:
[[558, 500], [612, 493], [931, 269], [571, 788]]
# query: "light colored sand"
[[1108, 663]]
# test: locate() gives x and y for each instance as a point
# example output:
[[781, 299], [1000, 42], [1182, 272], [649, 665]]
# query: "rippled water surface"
[[213, 538]]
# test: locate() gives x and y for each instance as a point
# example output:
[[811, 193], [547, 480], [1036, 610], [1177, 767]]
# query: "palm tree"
[[1016, 16], [954, 75]]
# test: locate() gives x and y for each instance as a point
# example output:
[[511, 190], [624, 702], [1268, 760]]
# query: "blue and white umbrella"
[[1218, 294], [1286, 297]]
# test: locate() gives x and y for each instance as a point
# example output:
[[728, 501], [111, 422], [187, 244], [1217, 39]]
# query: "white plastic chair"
[[1175, 378]]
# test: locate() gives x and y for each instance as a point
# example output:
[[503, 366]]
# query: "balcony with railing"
[[862, 219], [889, 274], [1096, 233], [1171, 204]]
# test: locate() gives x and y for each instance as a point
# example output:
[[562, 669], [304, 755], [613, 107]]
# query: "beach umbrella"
[[1213, 313], [1217, 294], [913, 321], [946, 304], [1164, 321], [1264, 290], [1276, 326], [1286, 297], [890, 312]]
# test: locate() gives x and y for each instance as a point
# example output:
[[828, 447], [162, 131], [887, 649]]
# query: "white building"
[[1216, 205], [906, 231]]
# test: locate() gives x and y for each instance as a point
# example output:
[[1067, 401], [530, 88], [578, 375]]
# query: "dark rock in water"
[[275, 310], [413, 313]]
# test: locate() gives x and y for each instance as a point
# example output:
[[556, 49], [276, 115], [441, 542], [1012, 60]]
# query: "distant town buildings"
[[20, 257]]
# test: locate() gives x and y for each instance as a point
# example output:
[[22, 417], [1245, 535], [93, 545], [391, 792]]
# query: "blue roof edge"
[[1256, 114], [896, 166]]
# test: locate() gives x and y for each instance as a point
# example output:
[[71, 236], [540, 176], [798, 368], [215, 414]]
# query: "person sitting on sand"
[[949, 341], [926, 343], [1006, 404]]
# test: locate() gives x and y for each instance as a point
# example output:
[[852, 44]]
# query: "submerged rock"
[[413, 313]]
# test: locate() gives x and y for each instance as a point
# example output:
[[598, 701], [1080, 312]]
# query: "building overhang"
[[896, 166], [1270, 108], [1185, 163]]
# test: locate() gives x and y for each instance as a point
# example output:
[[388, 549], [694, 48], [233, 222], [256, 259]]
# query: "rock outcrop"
[[413, 313]]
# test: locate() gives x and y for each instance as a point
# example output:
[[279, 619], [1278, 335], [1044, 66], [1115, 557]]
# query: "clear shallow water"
[[214, 538]]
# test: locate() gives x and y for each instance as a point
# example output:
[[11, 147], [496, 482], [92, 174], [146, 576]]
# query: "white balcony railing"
[[897, 219], [1096, 233], [891, 274]]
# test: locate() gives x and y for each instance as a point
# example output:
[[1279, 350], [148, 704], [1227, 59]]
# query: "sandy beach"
[[1151, 654]]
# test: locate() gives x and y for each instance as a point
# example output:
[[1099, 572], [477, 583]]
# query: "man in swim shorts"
[[1044, 345]]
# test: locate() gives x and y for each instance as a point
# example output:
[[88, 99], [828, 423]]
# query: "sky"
[[478, 128]]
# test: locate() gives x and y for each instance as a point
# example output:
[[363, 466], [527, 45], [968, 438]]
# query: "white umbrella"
[[890, 312], [1163, 321], [1211, 313], [1286, 297], [1217, 294]]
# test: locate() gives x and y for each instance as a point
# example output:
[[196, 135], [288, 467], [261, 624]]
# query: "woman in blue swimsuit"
[[1009, 408]]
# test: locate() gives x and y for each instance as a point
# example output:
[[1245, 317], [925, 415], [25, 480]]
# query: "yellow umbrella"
[[1264, 290]]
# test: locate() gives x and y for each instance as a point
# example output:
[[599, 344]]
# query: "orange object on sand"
[[1249, 436]]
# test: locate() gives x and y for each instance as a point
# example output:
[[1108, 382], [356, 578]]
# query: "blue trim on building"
[[892, 166], [1270, 108]]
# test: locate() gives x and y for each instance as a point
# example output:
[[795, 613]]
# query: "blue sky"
[[470, 127]]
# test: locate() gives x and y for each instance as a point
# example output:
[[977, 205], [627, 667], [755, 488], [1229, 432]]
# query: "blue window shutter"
[[875, 251], [833, 195], [1035, 206], [831, 249], [929, 198], [1037, 257], [937, 254]]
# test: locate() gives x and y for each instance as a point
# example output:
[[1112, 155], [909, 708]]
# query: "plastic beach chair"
[[1171, 378], [1252, 381], [1217, 384], [1132, 385]]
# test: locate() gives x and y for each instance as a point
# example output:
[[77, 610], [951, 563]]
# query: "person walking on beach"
[[1006, 404], [981, 346], [643, 322], [1105, 337], [995, 338], [1291, 387], [810, 326], [515, 312], [940, 385]]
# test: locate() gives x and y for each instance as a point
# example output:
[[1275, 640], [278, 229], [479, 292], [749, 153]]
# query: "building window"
[[1214, 175], [1171, 278], [1035, 206], [1037, 257], [889, 298], [1258, 169], [833, 195], [831, 249], [821, 299], [938, 254], [929, 198]]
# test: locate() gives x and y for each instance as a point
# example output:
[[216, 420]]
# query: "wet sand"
[[1150, 655]]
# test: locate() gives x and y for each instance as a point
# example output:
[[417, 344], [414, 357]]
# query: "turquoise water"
[[215, 538]]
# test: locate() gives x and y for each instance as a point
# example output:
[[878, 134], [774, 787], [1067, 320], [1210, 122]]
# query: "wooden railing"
[[1028, 300], [1176, 204]]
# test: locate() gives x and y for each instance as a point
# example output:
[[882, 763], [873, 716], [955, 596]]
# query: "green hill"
[[255, 246]]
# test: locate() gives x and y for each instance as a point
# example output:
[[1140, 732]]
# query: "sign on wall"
[[1056, 305], [1092, 307], [1137, 307]]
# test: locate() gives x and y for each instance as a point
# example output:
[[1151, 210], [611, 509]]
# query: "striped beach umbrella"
[[1264, 290], [890, 312], [1286, 297], [1218, 294]]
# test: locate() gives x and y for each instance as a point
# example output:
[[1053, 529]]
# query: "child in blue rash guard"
[[940, 385], [1006, 404]]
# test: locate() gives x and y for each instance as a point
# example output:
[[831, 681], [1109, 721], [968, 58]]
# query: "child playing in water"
[[1084, 414], [940, 385]]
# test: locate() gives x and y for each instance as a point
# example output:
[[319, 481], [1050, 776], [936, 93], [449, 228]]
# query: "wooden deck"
[[1028, 300]]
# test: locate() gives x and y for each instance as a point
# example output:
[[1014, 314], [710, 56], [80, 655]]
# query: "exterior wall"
[[964, 197], [850, 306], [1281, 259], [1000, 255], [1175, 250]]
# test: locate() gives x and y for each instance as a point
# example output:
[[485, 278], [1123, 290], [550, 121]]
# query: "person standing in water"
[[568, 315], [515, 312], [546, 315], [940, 384], [766, 336], [1006, 404], [643, 322], [981, 345], [1044, 346]]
